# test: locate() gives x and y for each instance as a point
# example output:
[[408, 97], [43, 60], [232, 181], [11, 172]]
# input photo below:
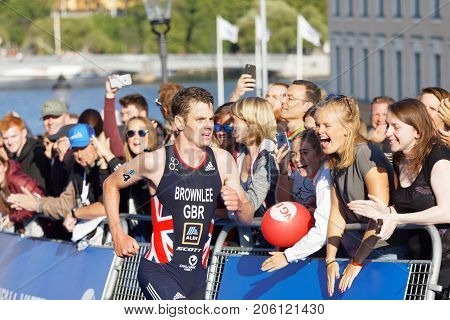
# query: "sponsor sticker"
[[192, 233]]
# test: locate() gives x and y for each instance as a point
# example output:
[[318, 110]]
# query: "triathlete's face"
[[199, 124]]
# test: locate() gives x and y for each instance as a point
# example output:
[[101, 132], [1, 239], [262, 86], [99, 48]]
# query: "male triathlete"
[[185, 180]]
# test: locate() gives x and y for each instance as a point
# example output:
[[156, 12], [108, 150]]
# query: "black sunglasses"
[[132, 133], [338, 97], [158, 103], [225, 127]]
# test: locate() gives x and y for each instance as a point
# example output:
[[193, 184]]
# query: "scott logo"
[[283, 211]]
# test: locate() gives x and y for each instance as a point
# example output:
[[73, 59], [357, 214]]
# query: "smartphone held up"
[[119, 81], [282, 140]]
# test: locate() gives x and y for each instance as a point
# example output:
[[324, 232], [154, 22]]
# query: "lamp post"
[[158, 14]]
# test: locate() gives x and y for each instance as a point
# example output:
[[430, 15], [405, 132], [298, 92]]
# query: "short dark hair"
[[136, 99], [93, 118], [383, 99], [312, 90], [181, 103]]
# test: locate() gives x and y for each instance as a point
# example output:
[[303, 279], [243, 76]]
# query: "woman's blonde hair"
[[258, 115], [151, 140], [346, 111]]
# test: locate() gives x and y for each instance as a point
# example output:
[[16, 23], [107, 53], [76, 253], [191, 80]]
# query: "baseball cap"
[[63, 132], [80, 135], [53, 108]]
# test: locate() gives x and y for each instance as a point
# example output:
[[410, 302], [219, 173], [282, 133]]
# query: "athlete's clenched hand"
[[124, 245], [230, 198]]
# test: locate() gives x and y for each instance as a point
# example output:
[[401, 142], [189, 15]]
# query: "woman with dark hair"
[[422, 167], [432, 98], [311, 159]]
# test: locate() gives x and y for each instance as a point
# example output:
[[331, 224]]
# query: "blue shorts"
[[160, 281]]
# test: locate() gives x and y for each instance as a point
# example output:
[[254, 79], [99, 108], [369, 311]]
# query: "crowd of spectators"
[[395, 172]]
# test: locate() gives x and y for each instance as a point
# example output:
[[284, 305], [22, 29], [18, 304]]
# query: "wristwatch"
[[72, 212]]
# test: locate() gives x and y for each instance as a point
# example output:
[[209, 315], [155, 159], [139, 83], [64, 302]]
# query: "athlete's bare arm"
[[234, 197], [146, 165]]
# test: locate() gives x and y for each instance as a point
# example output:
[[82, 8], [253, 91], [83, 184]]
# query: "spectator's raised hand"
[[102, 146], [61, 146], [444, 111], [445, 137], [379, 134], [245, 84], [110, 92], [282, 158]]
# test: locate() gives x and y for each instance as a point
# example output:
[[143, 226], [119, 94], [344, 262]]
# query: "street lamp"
[[158, 14]]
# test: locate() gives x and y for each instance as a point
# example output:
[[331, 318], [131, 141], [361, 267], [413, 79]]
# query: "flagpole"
[[299, 50], [219, 55], [265, 78], [258, 79]]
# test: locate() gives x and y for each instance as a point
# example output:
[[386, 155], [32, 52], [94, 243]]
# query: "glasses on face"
[[339, 97], [291, 98], [223, 127], [158, 103], [132, 133]]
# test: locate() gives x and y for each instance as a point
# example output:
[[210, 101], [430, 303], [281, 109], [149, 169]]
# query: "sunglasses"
[[339, 97], [223, 127], [132, 133], [158, 103]]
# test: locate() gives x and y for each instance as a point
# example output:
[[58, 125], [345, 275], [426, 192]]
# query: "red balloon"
[[285, 223]]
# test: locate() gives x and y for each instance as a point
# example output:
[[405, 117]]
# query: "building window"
[[437, 66], [380, 8], [381, 75], [338, 70], [366, 73], [398, 57], [351, 71], [365, 8], [436, 9], [350, 8], [416, 13], [337, 9], [398, 8], [418, 72]]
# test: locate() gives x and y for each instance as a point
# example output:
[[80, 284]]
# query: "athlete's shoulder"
[[155, 159], [221, 154]]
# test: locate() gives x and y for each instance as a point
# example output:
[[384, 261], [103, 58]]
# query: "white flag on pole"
[[259, 32], [308, 33], [227, 31]]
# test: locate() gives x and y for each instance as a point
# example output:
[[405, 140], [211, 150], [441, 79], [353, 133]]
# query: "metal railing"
[[423, 277], [122, 281]]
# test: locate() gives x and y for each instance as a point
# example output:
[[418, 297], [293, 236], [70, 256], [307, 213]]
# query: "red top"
[[16, 178], [111, 129]]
